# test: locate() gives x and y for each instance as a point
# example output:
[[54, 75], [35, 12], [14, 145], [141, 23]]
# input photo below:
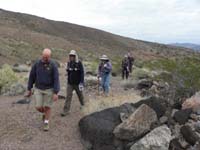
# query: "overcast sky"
[[165, 21]]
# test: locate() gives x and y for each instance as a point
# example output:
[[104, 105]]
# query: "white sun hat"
[[104, 57]]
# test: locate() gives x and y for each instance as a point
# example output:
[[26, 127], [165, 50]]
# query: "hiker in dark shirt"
[[131, 61], [75, 74], [44, 75], [125, 67]]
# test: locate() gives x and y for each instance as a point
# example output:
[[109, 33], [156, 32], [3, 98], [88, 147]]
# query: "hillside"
[[188, 45], [23, 36]]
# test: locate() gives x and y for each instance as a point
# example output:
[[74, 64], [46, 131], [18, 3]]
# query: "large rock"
[[193, 103], [182, 116], [21, 68], [91, 81], [137, 124], [144, 84], [158, 139], [97, 128], [189, 135], [157, 104]]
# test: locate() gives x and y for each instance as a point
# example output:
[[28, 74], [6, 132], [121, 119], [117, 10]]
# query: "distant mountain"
[[23, 36], [187, 45]]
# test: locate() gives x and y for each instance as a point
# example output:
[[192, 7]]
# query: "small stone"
[[182, 116], [163, 119], [194, 117]]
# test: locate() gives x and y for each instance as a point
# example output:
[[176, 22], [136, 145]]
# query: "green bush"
[[184, 73], [141, 73], [7, 76], [116, 65]]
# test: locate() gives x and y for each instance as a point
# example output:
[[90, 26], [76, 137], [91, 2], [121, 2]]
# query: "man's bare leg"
[[40, 109], [47, 114]]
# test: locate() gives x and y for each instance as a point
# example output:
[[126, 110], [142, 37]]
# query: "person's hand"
[[128, 69], [28, 94], [55, 97], [81, 87]]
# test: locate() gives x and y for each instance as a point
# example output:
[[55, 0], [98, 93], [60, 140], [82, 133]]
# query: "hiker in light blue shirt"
[[104, 72]]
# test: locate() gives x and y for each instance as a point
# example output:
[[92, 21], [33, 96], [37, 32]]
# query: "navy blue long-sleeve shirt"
[[44, 76]]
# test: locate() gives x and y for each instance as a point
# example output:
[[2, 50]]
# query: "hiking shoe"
[[46, 127], [64, 113]]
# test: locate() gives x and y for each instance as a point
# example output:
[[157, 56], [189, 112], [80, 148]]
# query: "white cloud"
[[154, 20]]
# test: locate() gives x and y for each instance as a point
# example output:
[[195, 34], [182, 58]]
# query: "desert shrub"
[[116, 65], [7, 76], [141, 73], [138, 63], [91, 66], [183, 76]]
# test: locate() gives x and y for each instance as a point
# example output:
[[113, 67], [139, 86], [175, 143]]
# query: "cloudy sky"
[[165, 21]]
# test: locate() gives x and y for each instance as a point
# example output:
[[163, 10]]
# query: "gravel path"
[[21, 128]]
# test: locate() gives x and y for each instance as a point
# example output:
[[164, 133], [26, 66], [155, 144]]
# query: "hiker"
[[131, 61], [125, 67], [75, 74], [45, 76], [104, 72]]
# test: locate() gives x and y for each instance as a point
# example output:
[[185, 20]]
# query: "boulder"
[[193, 103], [189, 135], [144, 84], [114, 74], [182, 116], [90, 73], [91, 81], [97, 128], [157, 104], [21, 68], [137, 124], [157, 139]]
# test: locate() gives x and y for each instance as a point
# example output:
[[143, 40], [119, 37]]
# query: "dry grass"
[[101, 102]]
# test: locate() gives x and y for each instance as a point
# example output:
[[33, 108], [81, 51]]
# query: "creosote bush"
[[7, 76]]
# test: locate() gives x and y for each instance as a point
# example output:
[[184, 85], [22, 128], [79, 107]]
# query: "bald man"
[[44, 75]]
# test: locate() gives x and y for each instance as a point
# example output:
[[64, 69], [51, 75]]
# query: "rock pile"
[[150, 124]]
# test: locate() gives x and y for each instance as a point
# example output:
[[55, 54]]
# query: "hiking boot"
[[64, 113], [46, 127]]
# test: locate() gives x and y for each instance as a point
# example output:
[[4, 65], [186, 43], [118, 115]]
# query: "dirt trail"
[[21, 127]]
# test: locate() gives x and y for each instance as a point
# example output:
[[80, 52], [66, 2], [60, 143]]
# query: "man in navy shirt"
[[45, 76]]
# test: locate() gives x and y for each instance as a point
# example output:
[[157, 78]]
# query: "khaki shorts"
[[43, 98]]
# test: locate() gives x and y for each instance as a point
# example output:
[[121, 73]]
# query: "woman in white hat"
[[104, 72]]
